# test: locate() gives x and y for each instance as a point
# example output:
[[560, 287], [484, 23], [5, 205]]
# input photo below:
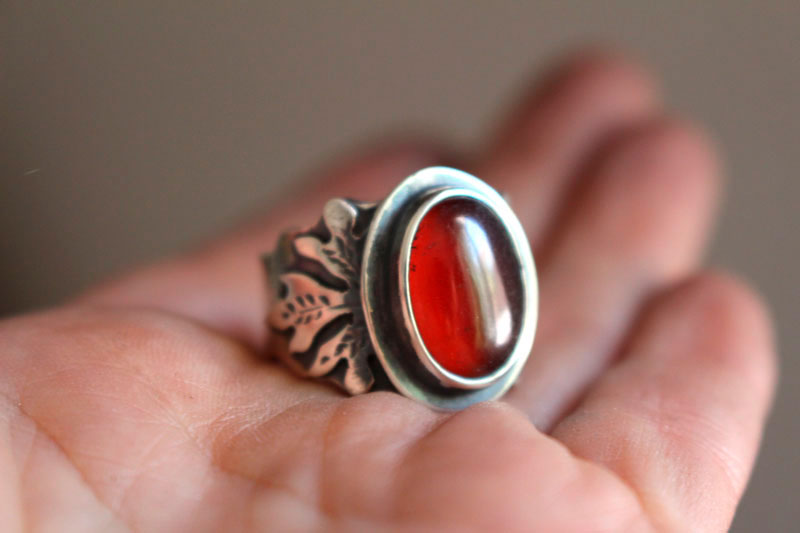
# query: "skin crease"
[[142, 405]]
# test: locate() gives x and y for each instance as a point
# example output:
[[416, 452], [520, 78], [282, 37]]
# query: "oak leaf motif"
[[306, 305]]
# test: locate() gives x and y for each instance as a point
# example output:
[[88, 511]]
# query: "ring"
[[432, 293]]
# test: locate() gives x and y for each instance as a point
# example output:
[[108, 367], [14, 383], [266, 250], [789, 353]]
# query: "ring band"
[[432, 292]]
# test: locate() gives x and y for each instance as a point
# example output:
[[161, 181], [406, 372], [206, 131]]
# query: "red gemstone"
[[465, 287]]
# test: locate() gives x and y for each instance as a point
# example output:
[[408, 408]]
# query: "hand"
[[144, 404]]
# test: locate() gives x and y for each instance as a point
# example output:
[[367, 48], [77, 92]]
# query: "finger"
[[680, 417], [550, 134], [221, 283], [640, 222]]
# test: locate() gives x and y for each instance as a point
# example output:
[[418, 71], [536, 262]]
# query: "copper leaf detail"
[[307, 307]]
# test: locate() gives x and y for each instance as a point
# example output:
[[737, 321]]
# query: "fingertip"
[[603, 69], [651, 194], [663, 146], [738, 327], [670, 141], [584, 79]]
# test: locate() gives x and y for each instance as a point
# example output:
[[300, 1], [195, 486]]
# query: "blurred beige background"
[[128, 131]]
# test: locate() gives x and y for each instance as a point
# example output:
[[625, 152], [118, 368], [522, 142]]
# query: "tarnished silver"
[[341, 307]]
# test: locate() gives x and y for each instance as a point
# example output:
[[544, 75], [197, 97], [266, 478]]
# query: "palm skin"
[[144, 405]]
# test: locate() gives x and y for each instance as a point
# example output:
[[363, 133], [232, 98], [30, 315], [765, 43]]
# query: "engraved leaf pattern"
[[307, 307]]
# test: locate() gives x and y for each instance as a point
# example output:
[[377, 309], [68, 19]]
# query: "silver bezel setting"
[[384, 290]]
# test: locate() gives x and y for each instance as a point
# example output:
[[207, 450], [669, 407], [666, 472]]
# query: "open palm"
[[144, 405]]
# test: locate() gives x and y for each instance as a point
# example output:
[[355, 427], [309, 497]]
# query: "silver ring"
[[432, 293]]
